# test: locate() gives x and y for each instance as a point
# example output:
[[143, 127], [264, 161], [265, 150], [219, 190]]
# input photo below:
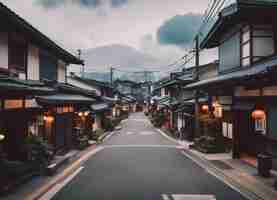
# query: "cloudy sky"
[[161, 28]]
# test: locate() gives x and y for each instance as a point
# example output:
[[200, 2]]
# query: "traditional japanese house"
[[244, 92], [185, 108], [166, 97], [67, 115], [105, 101], [28, 57]]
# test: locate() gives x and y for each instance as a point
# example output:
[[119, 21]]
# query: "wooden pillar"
[[236, 132]]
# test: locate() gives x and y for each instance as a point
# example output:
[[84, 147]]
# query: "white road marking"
[[215, 175], [193, 197], [130, 133], [51, 193], [148, 133], [188, 197], [138, 120], [165, 135], [108, 136], [165, 197], [143, 146]]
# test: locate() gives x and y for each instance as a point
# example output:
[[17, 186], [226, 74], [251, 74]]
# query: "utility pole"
[[111, 75], [83, 66], [196, 108]]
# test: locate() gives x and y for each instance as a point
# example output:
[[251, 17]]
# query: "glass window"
[[17, 54], [263, 46], [260, 125], [263, 33]]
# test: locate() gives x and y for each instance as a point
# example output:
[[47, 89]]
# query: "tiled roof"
[[36, 35], [57, 99], [259, 68]]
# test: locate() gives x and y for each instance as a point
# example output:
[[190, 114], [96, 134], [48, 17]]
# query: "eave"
[[236, 14], [36, 36]]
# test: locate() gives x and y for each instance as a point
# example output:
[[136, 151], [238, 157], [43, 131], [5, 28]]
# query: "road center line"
[[143, 146]]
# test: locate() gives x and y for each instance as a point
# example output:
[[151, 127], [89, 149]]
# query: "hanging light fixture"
[[86, 113], [205, 108], [48, 118], [258, 113], [80, 114], [2, 137]]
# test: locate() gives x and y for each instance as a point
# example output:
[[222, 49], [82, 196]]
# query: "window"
[[260, 125], [257, 42], [227, 130], [47, 66], [17, 53], [245, 46], [166, 91]]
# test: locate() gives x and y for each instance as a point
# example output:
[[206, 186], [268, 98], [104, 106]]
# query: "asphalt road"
[[140, 164]]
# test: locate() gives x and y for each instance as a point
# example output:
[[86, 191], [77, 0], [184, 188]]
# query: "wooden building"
[[244, 91], [27, 59], [105, 101]]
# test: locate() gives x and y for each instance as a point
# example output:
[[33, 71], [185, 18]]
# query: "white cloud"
[[77, 27]]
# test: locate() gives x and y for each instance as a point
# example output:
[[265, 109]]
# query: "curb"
[[171, 138], [65, 173], [224, 177], [215, 171]]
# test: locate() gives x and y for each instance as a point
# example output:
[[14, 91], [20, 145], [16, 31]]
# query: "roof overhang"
[[235, 14], [36, 36], [100, 107], [235, 78], [61, 99]]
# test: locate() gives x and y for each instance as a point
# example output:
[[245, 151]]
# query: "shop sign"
[[13, 103]]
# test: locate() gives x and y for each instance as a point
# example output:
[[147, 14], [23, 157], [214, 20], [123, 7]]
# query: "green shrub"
[[158, 119], [211, 139], [38, 150], [108, 125]]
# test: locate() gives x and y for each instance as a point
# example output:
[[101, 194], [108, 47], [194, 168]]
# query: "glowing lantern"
[[258, 114], [80, 114], [205, 108], [86, 113], [2, 137], [48, 118]]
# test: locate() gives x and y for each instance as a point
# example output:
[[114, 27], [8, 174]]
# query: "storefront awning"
[[10, 84], [192, 101], [166, 84], [59, 99], [109, 99], [100, 107]]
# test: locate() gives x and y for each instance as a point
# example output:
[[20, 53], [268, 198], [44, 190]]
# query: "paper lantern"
[[48, 118], [205, 108], [2, 137], [258, 114]]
